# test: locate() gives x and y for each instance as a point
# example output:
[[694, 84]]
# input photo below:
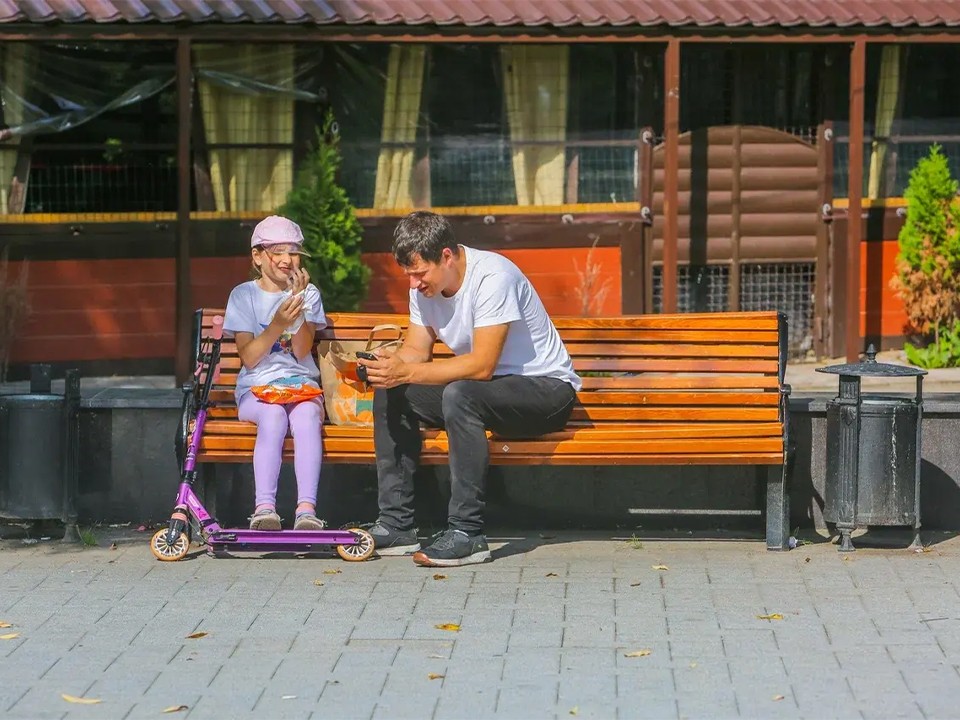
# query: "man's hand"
[[386, 372]]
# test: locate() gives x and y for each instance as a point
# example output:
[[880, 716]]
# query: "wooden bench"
[[685, 389]]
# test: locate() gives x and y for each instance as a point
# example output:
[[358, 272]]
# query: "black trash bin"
[[873, 451], [39, 439]]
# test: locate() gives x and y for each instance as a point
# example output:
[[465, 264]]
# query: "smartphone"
[[361, 370]]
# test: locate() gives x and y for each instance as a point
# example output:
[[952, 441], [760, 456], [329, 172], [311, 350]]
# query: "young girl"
[[273, 319]]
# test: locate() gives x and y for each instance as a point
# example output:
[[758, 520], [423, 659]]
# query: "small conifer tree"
[[928, 264], [331, 231]]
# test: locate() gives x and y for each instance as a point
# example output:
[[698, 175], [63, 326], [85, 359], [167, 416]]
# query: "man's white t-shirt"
[[250, 309], [495, 292]]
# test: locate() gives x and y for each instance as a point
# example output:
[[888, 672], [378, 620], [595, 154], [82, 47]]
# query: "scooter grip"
[[216, 332]]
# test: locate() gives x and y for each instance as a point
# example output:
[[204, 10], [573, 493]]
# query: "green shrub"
[[332, 234], [943, 353], [928, 263]]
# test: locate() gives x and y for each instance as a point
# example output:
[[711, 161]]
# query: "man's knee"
[[458, 399]]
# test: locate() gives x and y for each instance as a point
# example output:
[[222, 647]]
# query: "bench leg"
[[778, 507]]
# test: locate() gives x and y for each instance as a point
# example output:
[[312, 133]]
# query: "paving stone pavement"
[[571, 625]]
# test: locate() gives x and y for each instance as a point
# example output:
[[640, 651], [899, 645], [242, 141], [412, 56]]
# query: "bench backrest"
[[682, 368]]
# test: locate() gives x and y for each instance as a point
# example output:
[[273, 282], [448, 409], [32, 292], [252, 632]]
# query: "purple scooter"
[[173, 542]]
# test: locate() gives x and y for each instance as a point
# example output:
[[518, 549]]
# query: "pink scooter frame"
[[173, 542]]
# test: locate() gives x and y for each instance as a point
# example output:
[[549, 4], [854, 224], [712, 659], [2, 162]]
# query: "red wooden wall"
[[84, 310]]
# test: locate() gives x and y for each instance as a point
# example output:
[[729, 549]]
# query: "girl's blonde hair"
[[255, 272]]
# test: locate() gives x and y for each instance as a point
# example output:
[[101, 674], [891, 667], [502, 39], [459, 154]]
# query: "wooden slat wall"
[[777, 195]]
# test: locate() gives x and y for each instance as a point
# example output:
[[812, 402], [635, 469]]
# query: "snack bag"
[[287, 390]]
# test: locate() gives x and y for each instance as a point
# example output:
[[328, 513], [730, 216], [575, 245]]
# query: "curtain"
[[535, 81], [238, 110], [14, 85], [887, 109], [401, 116]]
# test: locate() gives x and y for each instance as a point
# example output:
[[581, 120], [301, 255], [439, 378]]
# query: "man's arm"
[[417, 345], [478, 364]]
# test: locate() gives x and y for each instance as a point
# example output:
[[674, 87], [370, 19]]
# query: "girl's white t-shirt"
[[496, 292], [250, 309]]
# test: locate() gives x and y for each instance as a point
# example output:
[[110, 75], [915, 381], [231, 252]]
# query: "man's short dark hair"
[[424, 234]]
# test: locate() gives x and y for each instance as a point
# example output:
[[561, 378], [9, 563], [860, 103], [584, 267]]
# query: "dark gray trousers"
[[512, 406]]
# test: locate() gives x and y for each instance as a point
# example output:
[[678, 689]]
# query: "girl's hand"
[[299, 279], [289, 310]]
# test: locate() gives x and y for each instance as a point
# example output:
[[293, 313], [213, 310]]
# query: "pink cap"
[[275, 230]]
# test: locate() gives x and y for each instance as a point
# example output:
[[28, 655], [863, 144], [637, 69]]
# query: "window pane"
[[470, 158]]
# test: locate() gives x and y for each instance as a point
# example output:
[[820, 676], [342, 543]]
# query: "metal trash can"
[[39, 452], [873, 451]]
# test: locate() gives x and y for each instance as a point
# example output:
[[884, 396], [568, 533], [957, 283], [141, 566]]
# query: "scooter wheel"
[[363, 550], [169, 552]]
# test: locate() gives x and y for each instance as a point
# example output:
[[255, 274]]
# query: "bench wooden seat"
[[685, 389]]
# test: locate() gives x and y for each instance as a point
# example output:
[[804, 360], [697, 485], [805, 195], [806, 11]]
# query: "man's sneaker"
[[389, 542], [452, 548]]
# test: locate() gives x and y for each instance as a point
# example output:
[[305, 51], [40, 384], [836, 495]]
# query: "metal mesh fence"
[[786, 287], [699, 289], [86, 181]]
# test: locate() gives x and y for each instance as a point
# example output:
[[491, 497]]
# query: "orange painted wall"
[[553, 273], [881, 311], [124, 309]]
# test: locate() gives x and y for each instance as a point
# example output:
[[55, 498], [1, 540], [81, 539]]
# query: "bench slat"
[[748, 321], [521, 459], [693, 446], [639, 433]]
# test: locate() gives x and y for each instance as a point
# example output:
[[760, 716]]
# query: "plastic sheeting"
[[52, 88]]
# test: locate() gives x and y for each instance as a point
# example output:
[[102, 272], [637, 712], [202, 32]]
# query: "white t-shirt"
[[250, 309], [496, 292]]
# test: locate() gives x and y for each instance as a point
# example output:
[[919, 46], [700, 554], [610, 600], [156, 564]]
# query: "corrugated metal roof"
[[555, 13]]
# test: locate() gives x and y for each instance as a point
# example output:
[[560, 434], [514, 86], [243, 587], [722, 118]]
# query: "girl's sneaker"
[[265, 519], [308, 521]]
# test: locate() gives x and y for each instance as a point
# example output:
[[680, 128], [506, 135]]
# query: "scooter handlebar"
[[216, 332]]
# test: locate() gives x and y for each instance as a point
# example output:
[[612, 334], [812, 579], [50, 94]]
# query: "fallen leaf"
[[638, 653], [332, 572], [196, 635], [636, 584], [448, 626], [318, 583], [550, 575], [435, 676], [771, 616], [176, 708], [806, 560], [9, 636], [660, 567], [438, 576], [693, 665], [80, 700], [846, 558], [5, 624], [778, 697], [574, 710], [289, 697]]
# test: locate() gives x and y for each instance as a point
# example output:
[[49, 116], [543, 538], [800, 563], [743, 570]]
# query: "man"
[[510, 373]]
